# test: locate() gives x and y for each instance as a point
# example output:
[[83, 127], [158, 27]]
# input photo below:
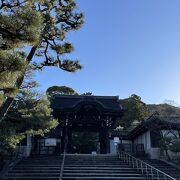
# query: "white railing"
[[149, 171]]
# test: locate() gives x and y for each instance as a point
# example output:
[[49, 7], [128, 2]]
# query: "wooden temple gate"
[[91, 113]]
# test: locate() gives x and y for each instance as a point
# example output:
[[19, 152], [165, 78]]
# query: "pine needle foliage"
[[33, 33], [30, 115], [60, 90], [135, 111]]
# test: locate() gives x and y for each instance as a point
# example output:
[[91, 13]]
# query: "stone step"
[[99, 170], [39, 168], [73, 168], [34, 170], [89, 159], [30, 178], [74, 174], [95, 165], [118, 163], [101, 167], [101, 174], [76, 178], [39, 165], [35, 162], [74, 171], [94, 161], [34, 174]]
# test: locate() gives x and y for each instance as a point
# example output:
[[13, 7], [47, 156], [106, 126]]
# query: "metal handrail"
[[62, 166], [150, 171], [64, 150], [63, 160]]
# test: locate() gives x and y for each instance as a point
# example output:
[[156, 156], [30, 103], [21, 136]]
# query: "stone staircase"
[[36, 168], [77, 167], [168, 169], [98, 167]]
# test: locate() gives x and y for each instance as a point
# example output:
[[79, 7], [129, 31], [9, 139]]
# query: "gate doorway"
[[85, 142]]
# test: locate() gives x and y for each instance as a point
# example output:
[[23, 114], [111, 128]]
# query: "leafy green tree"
[[63, 90], [134, 112], [165, 144], [167, 138], [171, 143], [164, 109], [175, 146], [30, 29], [29, 114], [87, 94]]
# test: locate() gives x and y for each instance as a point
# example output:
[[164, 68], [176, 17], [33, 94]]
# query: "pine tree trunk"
[[9, 100], [5, 107]]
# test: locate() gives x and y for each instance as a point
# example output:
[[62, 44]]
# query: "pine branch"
[[56, 18], [10, 5]]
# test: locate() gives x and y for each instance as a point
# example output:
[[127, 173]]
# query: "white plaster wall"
[[154, 153], [144, 139], [25, 151], [112, 147], [170, 133]]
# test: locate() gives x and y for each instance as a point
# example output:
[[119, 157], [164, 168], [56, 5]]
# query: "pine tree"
[[61, 90], [30, 29], [135, 111], [29, 114]]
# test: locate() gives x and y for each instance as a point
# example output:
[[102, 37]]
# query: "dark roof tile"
[[70, 102]]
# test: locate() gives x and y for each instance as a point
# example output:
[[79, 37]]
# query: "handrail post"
[[130, 161], [137, 165], [63, 161], [152, 177], [147, 172], [158, 175], [141, 168], [133, 162], [65, 149]]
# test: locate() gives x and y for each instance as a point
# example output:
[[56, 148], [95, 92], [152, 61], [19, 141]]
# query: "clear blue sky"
[[126, 47]]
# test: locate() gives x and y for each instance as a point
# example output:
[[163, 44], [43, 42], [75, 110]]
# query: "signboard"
[[116, 139], [50, 142]]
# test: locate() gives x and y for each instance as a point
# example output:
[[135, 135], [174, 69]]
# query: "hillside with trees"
[[135, 111], [164, 109]]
